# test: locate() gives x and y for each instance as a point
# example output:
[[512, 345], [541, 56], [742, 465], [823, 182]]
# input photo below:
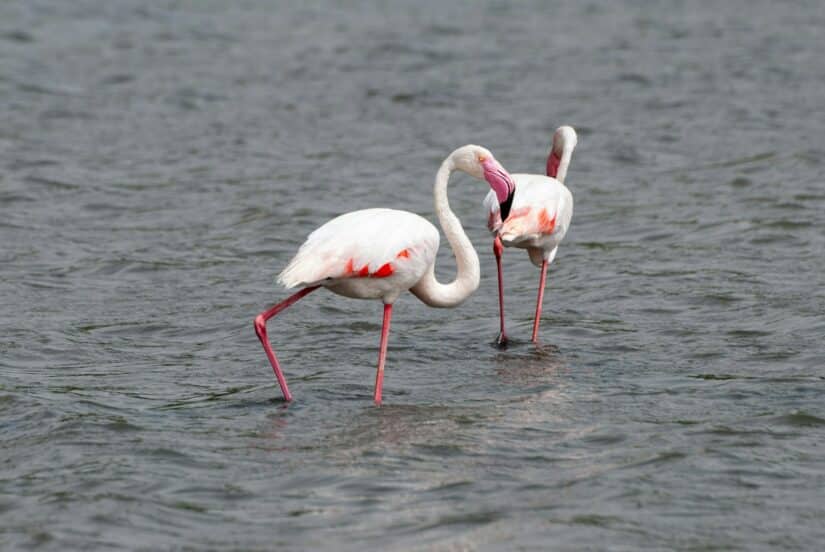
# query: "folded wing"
[[371, 243]]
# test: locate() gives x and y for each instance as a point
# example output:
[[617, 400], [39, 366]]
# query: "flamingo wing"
[[370, 243]]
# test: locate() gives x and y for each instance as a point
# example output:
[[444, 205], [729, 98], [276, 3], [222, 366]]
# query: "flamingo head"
[[480, 163]]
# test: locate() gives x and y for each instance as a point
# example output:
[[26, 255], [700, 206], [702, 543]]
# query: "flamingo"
[[534, 215], [380, 253]]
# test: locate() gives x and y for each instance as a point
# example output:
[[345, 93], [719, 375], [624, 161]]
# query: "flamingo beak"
[[501, 182]]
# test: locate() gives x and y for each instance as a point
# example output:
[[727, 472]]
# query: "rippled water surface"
[[161, 162]]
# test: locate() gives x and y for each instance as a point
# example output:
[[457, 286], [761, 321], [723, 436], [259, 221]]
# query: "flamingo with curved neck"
[[380, 253]]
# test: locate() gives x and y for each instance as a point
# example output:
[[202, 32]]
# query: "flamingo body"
[[366, 254], [539, 217]]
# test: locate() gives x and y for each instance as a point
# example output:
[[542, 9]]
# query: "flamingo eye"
[[482, 158]]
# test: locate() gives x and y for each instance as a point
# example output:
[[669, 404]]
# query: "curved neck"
[[429, 289], [564, 162], [564, 141]]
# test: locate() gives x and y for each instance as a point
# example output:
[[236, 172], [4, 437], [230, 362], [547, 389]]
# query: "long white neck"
[[428, 289], [566, 155]]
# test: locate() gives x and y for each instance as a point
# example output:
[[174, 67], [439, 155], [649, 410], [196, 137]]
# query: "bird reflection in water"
[[542, 365]]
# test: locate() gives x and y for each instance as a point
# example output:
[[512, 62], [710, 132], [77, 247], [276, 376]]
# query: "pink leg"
[[382, 353], [260, 329], [540, 300], [498, 249]]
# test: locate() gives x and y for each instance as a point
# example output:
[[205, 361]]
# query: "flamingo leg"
[[498, 249], [382, 353], [260, 330], [540, 300]]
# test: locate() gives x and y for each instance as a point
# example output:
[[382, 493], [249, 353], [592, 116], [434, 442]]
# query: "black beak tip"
[[504, 207]]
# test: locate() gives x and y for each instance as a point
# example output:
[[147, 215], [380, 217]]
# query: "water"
[[161, 162]]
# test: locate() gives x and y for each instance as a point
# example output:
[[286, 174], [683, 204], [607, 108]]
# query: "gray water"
[[161, 162]]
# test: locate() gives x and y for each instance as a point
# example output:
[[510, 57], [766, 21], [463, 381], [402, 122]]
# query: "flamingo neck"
[[557, 164], [564, 141], [429, 289]]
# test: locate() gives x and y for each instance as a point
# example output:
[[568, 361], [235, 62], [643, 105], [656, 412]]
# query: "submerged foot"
[[501, 341]]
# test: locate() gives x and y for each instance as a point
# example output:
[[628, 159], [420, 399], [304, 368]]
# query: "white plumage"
[[539, 217], [372, 253]]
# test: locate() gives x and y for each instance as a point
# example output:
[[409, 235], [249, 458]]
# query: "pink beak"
[[500, 180]]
